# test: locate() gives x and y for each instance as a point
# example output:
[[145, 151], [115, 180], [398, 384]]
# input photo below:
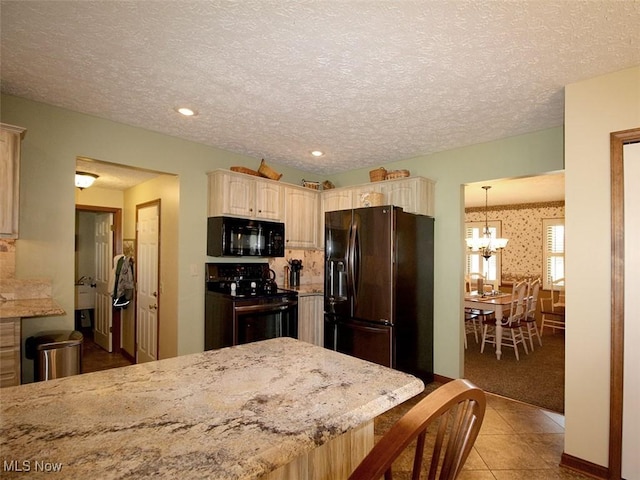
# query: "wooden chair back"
[[557, 295], [518, 308], [533, 292], [455, 410]]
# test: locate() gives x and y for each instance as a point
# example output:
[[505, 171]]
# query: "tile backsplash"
[[312, 266]]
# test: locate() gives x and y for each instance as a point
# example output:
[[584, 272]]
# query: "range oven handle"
[[266, 307]]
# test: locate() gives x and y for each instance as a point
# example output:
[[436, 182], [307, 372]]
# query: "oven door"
[[264, 320]]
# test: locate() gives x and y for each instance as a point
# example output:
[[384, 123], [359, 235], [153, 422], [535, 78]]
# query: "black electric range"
[[243, 304]]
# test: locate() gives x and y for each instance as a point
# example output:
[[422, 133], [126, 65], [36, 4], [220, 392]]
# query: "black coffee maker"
[[294, 272]]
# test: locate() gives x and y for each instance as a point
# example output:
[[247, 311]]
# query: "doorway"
[[98, 239], [520, 209]]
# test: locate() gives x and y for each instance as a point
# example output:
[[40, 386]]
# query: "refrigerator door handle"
[[353, 264]]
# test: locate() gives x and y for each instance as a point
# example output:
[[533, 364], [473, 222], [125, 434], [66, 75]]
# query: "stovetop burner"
[[242, 280]]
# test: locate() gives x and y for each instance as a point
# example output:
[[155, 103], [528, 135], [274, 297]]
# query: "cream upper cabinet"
[[413, 194], [336, 199], [241, 195], [301, 217], [10, 139]]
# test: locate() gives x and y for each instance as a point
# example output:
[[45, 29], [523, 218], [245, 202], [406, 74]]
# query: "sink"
[[85, 297]]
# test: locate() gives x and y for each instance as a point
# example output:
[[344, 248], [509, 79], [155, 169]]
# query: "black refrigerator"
[[378, 297]]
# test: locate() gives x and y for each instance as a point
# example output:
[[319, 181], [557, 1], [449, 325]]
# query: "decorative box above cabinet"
[[10, 140], [242, 195]]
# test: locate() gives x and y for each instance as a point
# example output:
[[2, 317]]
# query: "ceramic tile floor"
[[516, 442]]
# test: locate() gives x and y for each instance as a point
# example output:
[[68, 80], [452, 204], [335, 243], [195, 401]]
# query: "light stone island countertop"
[[233, 413], [309, 289], [29, 307]]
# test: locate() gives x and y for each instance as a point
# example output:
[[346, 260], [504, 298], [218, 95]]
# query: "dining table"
[[496, 301]]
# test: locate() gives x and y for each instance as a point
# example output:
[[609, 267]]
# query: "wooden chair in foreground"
[[455, 410]]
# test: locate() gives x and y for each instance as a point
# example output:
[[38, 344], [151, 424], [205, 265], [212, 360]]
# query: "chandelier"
[[486, 244], [84, 179]]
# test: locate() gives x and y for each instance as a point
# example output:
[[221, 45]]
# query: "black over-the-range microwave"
[[243, 237]]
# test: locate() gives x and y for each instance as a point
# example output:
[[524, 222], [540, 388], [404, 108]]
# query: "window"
[[475, 262], [552, 250]]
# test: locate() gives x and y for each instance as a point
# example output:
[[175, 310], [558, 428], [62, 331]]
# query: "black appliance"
[[379, 287], [242, 237], [243, 304]]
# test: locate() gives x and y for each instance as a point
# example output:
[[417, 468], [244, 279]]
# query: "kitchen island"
[[280, 408]]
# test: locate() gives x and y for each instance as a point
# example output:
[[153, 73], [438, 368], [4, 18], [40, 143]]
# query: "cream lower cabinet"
[[9, 352], [301, 217], [241, 195], [311, 319]]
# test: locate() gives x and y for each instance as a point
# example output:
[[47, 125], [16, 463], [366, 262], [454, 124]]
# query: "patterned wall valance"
[[518, 206]]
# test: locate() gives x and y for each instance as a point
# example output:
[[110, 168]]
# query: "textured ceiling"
[[368, 82]]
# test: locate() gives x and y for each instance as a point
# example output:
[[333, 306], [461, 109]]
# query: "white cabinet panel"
[[413, 194], [10, 140], [241, 195], [311, 319], [302, 217]]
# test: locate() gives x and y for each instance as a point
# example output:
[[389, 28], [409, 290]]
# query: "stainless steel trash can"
[[56, 354]]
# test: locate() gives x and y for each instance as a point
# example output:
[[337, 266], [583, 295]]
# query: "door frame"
[[618, 141], [117, 249]]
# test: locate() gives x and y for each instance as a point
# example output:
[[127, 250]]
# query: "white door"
[[147, 298], [104, 259]]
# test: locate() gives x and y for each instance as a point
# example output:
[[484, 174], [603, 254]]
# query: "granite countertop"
[[29, 307], [233, 413], [309, 289]]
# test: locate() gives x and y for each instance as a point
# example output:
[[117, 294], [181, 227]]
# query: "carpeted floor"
[[537, 379]]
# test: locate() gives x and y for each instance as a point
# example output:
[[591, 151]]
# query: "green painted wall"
[[56, 136]]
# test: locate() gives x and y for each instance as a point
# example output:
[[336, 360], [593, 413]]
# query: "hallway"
[[95, 358]]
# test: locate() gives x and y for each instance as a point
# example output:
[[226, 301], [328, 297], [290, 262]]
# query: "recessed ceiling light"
[[317, 153], [187, 112]]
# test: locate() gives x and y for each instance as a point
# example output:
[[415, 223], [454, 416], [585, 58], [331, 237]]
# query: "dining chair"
[[455, 410], [553, 308], [470, 325], [529, 320], [512, 333]]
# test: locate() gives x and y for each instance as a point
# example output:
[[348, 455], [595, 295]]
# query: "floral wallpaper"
[[522, 225]]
